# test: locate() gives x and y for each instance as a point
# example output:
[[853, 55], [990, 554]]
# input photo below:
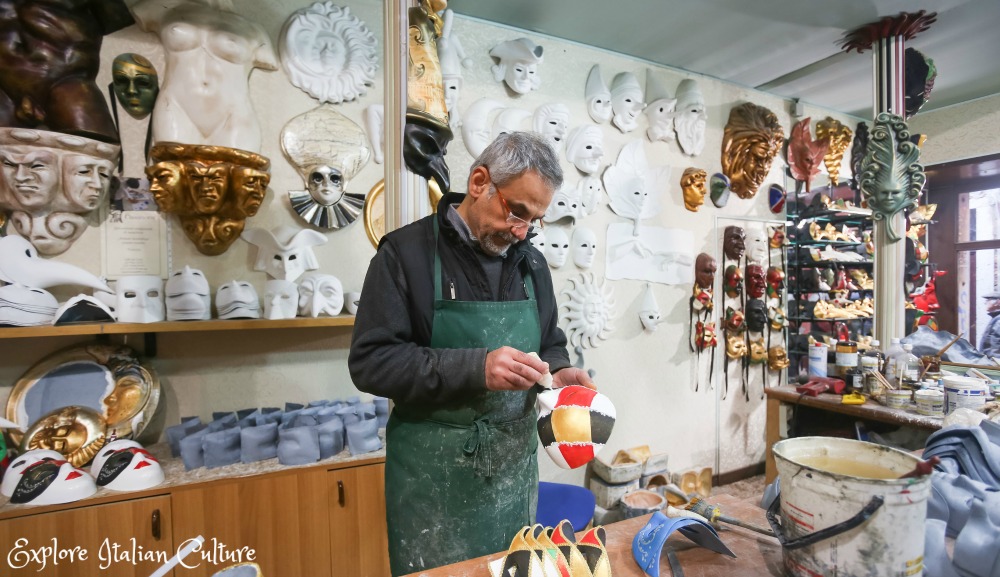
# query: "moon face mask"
[[140, 299]]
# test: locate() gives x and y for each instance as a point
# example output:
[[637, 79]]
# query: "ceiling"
[[786, 47]]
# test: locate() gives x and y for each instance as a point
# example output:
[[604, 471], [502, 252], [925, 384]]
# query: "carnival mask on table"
[[734, 242], [752, 138], [775, 281], [693, 186], [704, 336], [734, 321], [756, 314], [130, 469], [574, 424], [777, 358], [756, 284], [50, 482], [20, 464], [733, 282]]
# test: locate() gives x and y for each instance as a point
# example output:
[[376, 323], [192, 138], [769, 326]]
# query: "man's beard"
[[690, 133], [496, 244]]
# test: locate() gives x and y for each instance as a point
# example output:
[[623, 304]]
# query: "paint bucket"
[[898, 399], [929, 402], [817, 360], [845, 510], [963, 392]]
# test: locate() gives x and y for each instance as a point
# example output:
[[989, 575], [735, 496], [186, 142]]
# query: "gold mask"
[[76, 432], [751, 140], [840, 138], [736, 347], [758, 352], [777, 358], [693, 185], [212, 189]]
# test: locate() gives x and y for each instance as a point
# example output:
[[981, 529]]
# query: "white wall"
[[649, 377]]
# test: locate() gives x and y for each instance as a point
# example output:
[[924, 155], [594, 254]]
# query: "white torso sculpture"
[[210, 51]]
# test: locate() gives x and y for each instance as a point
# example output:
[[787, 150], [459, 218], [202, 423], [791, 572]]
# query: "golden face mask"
[[212, 189], [840, 138], [736, 347], [76, 432], [693, 185], [777, 358], [752, 138], [758, 352]]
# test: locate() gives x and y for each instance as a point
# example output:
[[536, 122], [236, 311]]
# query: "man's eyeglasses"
[[515, 222]]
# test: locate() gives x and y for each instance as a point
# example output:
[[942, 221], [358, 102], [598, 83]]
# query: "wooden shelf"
[[173, 327]]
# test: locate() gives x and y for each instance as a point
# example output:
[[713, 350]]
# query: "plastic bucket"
[[929, 402], [963, 392], [845, 511]]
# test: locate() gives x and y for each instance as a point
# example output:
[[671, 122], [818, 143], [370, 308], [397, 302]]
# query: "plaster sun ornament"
[[518, 64], [633, 186], [750, 141], [892, 177], [187, 296], [804, 153], [556, 246], [590, 190], [451, 55], [659, 110], [649, 311], [626, 101], [584, 247], [286, 252], [693, 187], [50, 182], [281, 299], [690, 117], [588, 311], [585, 148], [598, 96], [329, 53], [320, 294], [839, 137], [552, 121], [139, 299], [210, 52], [566, 204], [237, 300], [328, 150], [477, 125]]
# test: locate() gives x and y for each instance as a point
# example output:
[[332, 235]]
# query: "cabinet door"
[[282, 519], [130, 538], [358, 542]]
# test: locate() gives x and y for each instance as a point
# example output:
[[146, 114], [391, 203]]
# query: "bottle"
[[889, 365], [872, 359], [846, 357], [908, 368]]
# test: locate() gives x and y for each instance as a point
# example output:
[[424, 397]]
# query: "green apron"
[[460, 483]]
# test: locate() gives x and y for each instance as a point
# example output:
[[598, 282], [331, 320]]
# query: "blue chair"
[[557, 501]]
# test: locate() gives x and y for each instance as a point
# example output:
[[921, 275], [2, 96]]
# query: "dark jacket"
[[390, 352]]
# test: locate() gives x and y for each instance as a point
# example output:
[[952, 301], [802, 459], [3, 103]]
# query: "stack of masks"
[[538, 551]]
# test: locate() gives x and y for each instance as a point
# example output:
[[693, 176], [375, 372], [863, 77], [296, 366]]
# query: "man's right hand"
[[508, 369]]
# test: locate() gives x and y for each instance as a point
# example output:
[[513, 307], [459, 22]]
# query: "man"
[[451, 307]]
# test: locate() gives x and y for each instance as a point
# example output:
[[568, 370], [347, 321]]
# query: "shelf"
[[826, 263], [830, 216], [811, 242], [173, 327], [833, 291]]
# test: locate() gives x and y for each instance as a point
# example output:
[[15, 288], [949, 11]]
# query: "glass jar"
[[846, 357]]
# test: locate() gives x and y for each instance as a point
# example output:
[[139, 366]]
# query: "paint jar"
[[817, 360], [846, 357], [932, 364], [855, 379], [963, 392], [898, 398], [929, 402]]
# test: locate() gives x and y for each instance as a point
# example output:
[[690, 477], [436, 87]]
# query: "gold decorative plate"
[[375, 208], [109, 379]]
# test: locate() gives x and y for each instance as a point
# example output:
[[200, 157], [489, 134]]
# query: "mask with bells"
[[736, 347], [756, 284], [733, 284], [704, 336], [139, 299], [777, 358], [775, 281], [756, 314], [734, 242], [734, 321], [758, 352]]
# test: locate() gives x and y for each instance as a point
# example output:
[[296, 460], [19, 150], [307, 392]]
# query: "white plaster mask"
[[565, 204], [140, 299], [556, 247], [286, 252], [237, 300], [649, 312], [518, 66], [552, 121], [585, 148], [598, 96], [590, 190], [690, 117], [509, 120], [108, 450], [18, 465], [52, 482], [188, 296], [626, 101], [451, 55], [477, 126], [20, 263], [21, 306], [584, 247], [281, 299], [659, 111], [320, 294], [538, 240]]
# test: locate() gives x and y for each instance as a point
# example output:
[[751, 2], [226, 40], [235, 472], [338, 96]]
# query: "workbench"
[[756, 555], [785, 396]]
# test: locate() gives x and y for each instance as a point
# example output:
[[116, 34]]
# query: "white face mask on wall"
[[556, 247], [584, 247], [281, 299], [139, 299]]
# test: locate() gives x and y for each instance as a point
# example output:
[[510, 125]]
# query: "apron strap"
[[479, 447], [437, 264]]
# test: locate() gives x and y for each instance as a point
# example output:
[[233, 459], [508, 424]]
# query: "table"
[[872, 411], [757, 555]]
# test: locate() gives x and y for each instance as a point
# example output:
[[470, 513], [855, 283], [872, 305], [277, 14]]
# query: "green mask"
[[135, 84]]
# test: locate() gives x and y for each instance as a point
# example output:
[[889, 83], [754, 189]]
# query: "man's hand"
[[508, 369], [572, 376]]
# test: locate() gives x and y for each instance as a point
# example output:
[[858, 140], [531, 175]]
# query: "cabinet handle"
[[340, 493], [156, 524]]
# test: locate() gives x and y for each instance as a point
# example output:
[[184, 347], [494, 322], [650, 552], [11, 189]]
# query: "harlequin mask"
[[777, 318], [734, 321], [756, 315], [52, 482], [574, 424], [704, 271], [130, 469], [758, 352], [735, 347], [777, 358], [734, 242], [775, 281], [733, 281], [702, 299], [108, 450], [777, 239], [19, 465], [704, 336], [755, 281]]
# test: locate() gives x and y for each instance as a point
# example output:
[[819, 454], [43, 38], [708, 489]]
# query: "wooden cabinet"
[[358, 541], [130, 538]]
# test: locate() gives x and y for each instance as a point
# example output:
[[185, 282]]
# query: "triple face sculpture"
[[212, 189]]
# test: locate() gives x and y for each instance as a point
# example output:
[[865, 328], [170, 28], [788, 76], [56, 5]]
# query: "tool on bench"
[[714, 515], [813, 385]]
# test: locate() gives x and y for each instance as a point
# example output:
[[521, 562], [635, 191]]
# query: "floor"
[[750, 489]]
